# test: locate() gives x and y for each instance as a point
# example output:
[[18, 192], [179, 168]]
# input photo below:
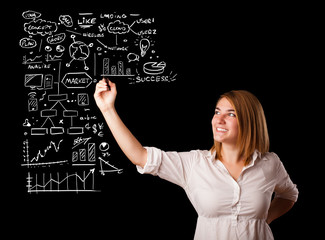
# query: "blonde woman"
[[230, 185]]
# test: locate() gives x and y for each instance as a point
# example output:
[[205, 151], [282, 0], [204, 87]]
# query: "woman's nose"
[[221, 119]]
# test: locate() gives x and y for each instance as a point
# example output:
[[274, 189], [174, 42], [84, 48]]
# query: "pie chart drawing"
[[104, 146], [154, 68]]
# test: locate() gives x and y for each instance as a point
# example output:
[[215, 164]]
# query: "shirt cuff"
[[290, 195], [153, 162]]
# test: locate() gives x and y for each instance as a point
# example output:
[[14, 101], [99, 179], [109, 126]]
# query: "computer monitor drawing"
[[33, 80]]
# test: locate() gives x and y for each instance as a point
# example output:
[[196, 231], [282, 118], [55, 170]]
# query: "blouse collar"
[[256, 155]]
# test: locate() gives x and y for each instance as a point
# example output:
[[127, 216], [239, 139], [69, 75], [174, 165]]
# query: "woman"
[[231, 185]]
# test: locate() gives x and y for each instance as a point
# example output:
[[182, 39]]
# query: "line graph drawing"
[[62, 57], [61, 182], [28, 161]]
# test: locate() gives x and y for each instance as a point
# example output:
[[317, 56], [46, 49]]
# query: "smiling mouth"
[[222, 130]]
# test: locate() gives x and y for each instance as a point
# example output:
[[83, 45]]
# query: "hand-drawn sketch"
[[30, 161], [65, 147], [144, 46], [61, 182], [78, 51]]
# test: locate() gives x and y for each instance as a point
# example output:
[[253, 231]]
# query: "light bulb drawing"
[[144, 46]]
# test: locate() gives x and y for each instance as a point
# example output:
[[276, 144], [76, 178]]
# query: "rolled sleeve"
[[153, 162], [174, 167], [285, 188]]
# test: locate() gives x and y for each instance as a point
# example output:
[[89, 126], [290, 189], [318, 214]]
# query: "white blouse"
[[227, 209]]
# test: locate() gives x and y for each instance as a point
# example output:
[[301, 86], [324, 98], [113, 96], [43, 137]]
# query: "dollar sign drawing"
[[94, 129]]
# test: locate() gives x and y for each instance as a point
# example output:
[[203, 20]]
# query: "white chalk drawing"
[[48, 81], [26, 123], [104, 146], [33, 161], [133, 57], [34, 80], [106, 167], [32, 102], [31, 14], [117, 70], [86, 20], [78, 51], [144, 46], [61, 182], [76, 80], [56, 38], [41, 27], [84, 156], [154, 68], [66, 20], [83, 99], [27, 42], [62, 57]]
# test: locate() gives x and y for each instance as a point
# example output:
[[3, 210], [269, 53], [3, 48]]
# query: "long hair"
[[252, 129]]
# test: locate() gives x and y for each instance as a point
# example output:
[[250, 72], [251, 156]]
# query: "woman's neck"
[[230, 154]]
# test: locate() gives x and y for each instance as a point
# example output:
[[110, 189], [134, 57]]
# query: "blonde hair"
[[252, 129]]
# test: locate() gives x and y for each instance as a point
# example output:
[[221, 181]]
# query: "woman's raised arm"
[[105, 95]]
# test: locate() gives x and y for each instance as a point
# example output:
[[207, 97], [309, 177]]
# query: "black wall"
[[207, 52]]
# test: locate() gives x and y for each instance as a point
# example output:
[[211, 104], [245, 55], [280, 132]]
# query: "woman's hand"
[[105, 95]]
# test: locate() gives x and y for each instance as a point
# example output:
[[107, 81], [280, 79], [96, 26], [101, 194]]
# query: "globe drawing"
[[78, 51]]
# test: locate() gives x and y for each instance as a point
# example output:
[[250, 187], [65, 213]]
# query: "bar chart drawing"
[[115, 70], [84, 156], [61, 182], [64, 140]]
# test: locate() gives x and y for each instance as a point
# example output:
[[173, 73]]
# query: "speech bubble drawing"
[[27, 42], [66, 20], [118, 27], [31, 14], [55, 39], [41, 27], [132, 57]]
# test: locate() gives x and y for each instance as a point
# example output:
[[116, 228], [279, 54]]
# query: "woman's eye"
[[217, 112], [232, 115]]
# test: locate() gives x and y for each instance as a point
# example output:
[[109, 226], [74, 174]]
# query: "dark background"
[[213, 49]]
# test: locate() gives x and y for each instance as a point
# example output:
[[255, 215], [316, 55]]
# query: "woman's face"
[[224, 123]]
